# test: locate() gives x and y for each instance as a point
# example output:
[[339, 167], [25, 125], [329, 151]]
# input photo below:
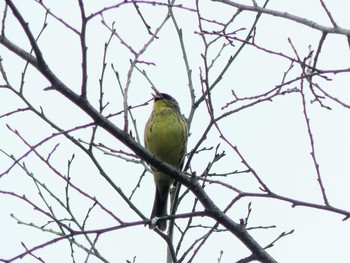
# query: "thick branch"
[[190, 182], [213, 211]]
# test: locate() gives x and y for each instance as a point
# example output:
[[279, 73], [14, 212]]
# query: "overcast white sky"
[[272, 136]]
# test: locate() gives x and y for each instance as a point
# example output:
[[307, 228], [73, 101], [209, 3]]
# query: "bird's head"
[[165, 100]]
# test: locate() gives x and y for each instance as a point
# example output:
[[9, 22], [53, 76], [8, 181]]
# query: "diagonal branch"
[[191, 183], [298, 19]]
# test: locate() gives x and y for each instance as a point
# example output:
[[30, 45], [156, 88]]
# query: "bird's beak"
[[156, 95]]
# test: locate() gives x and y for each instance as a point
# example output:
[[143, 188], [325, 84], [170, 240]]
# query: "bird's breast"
[[166, 135]]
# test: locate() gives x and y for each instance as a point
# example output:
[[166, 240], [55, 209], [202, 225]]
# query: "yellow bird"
[[166, 137]]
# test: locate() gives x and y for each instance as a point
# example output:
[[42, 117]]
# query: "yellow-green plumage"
[[166, 137]]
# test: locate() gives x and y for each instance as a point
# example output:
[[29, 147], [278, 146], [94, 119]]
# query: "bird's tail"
[[160, 206]]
